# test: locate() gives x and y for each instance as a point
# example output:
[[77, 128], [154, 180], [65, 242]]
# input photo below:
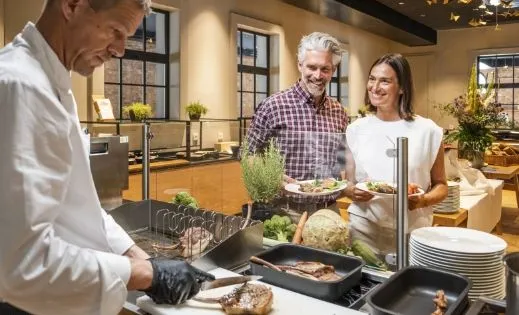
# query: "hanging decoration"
[[486, 9]]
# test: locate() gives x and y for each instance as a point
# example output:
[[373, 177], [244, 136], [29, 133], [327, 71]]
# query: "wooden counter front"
[[217, 186]]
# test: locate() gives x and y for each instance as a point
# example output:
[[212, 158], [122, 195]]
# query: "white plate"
[[363, 186], [460, 240], [482, 258], [294, 188]]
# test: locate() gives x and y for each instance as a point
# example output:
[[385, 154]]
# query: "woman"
[[389, 96]]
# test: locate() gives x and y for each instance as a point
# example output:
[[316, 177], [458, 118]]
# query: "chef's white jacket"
[[60, 253]]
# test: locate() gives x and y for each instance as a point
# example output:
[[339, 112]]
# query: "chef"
[[60, 253]]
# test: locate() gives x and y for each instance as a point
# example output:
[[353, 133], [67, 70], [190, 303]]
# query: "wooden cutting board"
[[285, 302]]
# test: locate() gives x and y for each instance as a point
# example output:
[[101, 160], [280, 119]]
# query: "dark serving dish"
[[347, 267], [411, 291]]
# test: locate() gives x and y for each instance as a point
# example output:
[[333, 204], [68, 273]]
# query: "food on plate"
[[361, 249], [386, 188], [249, 298], [185, 199], [440, 300], [325, 229], [194, 241], [279, 228], [320, 185]]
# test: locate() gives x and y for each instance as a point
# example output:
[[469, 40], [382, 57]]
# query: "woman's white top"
[[371, 141]]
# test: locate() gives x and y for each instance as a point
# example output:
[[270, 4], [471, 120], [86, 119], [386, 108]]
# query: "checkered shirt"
[[310, 138]]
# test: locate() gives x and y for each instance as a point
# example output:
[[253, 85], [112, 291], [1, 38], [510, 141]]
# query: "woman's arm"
[[351, 191], [439, 190]]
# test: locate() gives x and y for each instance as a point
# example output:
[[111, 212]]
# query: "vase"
[[194, 117], [261, 211], [476, 158]]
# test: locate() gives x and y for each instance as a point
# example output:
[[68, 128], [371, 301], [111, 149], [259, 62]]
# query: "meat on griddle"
[[249, 298], [194, 241]]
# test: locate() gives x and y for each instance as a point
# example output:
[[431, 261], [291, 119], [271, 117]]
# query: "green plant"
[[196, 109], [477, 112], [141, 111], [262, 172]]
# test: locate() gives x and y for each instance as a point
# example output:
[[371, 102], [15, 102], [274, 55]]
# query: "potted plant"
[[195, 110], [137, 111], [263, 175], [476, 112]]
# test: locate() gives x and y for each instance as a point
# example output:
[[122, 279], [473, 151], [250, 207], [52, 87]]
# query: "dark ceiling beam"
[[392, 17]]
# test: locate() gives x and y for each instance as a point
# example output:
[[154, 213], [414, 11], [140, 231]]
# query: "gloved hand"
[[174, 281]]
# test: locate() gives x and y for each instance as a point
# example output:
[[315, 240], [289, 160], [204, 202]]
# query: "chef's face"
[[383, 88], [94, 37], [316, 71]]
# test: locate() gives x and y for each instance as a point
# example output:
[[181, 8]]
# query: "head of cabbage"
[[325, 229]]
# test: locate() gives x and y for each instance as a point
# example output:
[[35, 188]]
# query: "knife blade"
[[223, 282]]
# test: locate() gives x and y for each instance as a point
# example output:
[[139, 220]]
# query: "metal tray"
[[349, 268], [411, 291]]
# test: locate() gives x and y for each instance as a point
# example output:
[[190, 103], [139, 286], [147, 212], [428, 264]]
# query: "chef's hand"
[[356, 194], [174, 281]]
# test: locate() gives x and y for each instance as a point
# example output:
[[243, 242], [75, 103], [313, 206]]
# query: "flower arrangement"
[[195, 110], [476, 111]]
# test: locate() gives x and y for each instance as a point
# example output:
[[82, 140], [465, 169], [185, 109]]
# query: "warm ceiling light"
[[422, 15], [401, 3]]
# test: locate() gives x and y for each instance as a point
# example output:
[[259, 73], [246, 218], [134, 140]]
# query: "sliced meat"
[[249, 298], [330, 276], [194, 241], [317, 269], [299, 273]]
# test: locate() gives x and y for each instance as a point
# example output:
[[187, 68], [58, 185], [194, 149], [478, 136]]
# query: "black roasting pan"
[[349, 268], [411, 291]]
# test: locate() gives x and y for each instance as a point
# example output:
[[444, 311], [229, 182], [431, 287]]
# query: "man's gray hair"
[[107, 4], [320, 41], [99, 5]]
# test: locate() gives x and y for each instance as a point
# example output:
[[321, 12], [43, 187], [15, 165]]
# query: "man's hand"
[[417, 202], [174, 281]]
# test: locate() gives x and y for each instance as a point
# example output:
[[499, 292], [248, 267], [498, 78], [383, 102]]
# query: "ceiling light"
[[422, 15], [401, 3]]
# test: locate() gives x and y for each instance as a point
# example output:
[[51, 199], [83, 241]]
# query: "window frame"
[[254, 70], [145, 57]]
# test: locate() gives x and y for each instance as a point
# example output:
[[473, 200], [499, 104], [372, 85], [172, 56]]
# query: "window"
[[503, 70], [338, 86], [142, 74], [253, 70]]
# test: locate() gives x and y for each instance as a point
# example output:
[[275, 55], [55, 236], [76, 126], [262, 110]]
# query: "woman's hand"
[[356, 194], [417, 202]]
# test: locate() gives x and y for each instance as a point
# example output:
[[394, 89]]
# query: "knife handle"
[[264, 263]]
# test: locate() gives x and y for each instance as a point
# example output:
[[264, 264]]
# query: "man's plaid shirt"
[[309, 137]]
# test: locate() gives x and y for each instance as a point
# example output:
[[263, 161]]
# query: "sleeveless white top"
[[369, 140]]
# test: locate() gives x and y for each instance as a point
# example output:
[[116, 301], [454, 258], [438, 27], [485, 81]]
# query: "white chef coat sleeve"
[[118, 239], [40, 272]]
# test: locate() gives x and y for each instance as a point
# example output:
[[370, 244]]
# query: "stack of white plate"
[[474, 254], [451, 203]]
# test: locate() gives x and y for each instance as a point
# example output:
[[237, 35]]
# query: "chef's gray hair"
[[98, 5], [319, 41]]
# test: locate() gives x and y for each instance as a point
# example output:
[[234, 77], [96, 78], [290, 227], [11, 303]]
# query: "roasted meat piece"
[[317, 269], [440, 300], [249, 298], [194, 241]]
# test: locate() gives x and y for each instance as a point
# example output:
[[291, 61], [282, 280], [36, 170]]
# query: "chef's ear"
[[70, 7]]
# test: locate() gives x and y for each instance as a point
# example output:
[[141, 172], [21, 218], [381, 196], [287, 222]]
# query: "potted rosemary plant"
[[263, 175], [137, 111], [195, 110]]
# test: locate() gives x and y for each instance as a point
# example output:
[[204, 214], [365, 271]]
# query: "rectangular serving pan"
[[411, 291], [347, 267]]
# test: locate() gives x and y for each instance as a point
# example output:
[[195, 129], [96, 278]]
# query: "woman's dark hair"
[[405, 81]]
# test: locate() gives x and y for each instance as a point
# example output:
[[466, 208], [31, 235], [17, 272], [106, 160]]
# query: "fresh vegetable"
[[325, 229], [362, 250], [299, 229], [185, 199], [279, 228]]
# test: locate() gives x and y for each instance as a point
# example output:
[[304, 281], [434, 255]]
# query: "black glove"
[[174, 281]]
